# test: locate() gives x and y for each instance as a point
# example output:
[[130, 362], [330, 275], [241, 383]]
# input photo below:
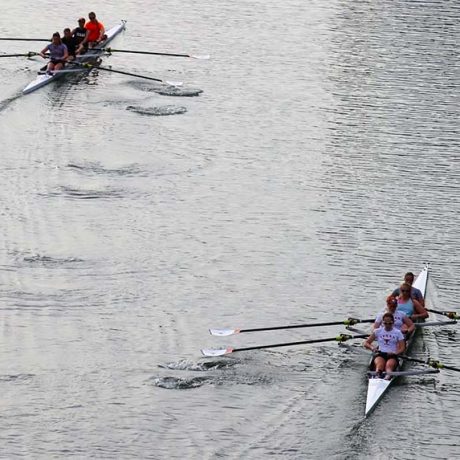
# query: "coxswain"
[[58, 53], [401, 320], [414, 292], [409, 305], [390, 342], [79, 33], [71, 43], [95, 32]]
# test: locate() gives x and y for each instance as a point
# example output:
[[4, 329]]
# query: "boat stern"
[[375, 390]]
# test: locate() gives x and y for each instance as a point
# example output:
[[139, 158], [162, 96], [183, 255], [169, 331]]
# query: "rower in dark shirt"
[[71, 43], [79, 33]]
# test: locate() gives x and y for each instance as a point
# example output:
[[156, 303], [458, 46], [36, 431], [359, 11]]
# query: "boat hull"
[[90, 56], [377, 387]]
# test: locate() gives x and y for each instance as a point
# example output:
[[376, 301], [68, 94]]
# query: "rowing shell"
[[90, 56], [377, 387]]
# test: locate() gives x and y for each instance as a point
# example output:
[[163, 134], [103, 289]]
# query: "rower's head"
[[405, 289], [81, 22], [388, 320], [409, 278], [67, 32], [92, 16], [56, 38], [392, 303]]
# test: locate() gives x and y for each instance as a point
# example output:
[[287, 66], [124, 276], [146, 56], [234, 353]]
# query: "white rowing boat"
[[377, 387], [90, 56]]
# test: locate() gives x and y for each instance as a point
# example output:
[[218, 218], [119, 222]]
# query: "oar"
[[172, 83], [29, 54], [26, 39], [406, 373], [449, 314], [226, 351], [435, 323], [346, 322], [113, 50], [432, 363]]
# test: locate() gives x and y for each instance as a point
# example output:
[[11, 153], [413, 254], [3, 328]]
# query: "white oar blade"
[[223, 332], [174, 83], [219, 352], [203, 56]]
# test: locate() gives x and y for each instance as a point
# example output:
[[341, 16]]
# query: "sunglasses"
[[405, 290], [388, 322]]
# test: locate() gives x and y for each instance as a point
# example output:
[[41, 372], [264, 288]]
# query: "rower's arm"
[[43, 51], [419, 311], [409, 323], [368, 342], [85, 40], [401, 347], [101, 31]]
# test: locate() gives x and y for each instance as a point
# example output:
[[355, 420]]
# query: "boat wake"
[[94, 168], [50, 261], [168, 90], [220, 373], [78, 194], [7, 102], [159, 111], [174, 383], [185, 365], [16, 377]]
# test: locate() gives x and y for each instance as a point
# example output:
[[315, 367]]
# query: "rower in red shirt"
[[95, 32]]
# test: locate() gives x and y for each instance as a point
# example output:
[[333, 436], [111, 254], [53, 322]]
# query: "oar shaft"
[[449, 314], [113, 50], [29, 54], [432, 362], [347, 322], [340, 338], [129, 74], [26, 39]]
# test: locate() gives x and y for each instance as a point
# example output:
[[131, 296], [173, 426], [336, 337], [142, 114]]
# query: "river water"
[[298, 174]]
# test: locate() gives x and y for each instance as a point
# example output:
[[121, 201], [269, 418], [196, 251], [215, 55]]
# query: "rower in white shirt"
[[401, 320], [391, 343]]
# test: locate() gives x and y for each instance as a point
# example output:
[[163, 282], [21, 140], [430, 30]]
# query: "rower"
[[410, 306], [58, 53], [391, 343], [95, 32], [71, 43], [414, 292], [401, 320], [79, 33]]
